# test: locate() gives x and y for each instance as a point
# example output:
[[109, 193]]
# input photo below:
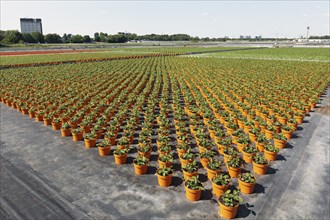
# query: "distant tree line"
[[14, 37]]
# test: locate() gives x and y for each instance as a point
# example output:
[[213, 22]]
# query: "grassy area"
[[280, 53]]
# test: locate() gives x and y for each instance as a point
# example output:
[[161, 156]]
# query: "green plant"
[[225, 141], [271, 148], [188, 155], [222, 179], [76, 131], [164, 171], [250, 149], [145, 148], [230, 198], [104, 143], [123, 141], [247, 177], [65, 125], [243, 140], [141, 160], [207, 154], [191, 167], [194, 184], [120, 151], [230, 151], [260, 159], [280, 137], [235, 162], [56, 120], [89, 136], [287, 128], [166, 158], [261, 138], [214, 164]]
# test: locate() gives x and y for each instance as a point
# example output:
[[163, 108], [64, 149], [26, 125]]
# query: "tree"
[[12, 37], [38, 37], [97, 37], [53, 38], [27, 38], [103, 37], [87, 39], [77, 39]]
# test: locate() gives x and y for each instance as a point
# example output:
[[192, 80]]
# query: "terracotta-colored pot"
[[89, 143], [287, 134], [39, 118], [260, 169], [56, 125], [164, 181], [219, 190], [228, 212], [140, 169], [204, 161], [188, 176], [260, 146], [104, 151], [66, 133], [167, 164], [246, 188], [279, 143], [212, 173], [269, 134], [270, 155], [233, 171], [247, 157], [120, 159], [193, 195], [77, 136]]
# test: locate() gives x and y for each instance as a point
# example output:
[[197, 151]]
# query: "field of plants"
[[228, 117]]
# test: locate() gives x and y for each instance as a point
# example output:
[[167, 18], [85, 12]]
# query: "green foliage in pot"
[[222, 179], [247, 177], [260, 159], [230, 198], [194, 183]]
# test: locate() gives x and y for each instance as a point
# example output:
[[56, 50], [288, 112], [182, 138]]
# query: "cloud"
[[326, 14], [214, 20], [305, 15], [205, 14], [103, 12]]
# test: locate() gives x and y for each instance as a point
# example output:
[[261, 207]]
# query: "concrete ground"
[[46, 176]]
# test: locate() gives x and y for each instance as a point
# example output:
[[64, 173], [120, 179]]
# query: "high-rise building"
[[29, 25]]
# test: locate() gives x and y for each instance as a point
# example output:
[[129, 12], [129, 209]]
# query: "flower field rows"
[[217, 115]]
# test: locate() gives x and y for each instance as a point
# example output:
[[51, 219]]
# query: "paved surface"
[[46, 176]]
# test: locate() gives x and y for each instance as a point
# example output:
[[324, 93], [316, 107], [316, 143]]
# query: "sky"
[[196, 18]]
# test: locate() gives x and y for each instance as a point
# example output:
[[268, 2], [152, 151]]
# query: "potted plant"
[[191, 169], [164, 148], [164, 175], [279, 141], [248, 153], [229, 152], [260, 164], [48, 119], [165, 159], [193, 189], [213, 168], [206, 156], [287, 131], [120, 155], [123, 142], [56, 123], [90, 140], [242, 142], [141, 165], [261, 141], [253, 134], [182, 148], [220, 184], [77, 134], [104, 147], [229, 202], [145, 151], [234, 166], [246, 182], [186, 158], [66, 129], [270, 152], [110, 136], [269, 132]]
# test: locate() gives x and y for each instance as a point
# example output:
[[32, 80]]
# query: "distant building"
[[29, 25]]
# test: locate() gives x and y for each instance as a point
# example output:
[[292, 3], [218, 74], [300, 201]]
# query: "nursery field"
[[164, 137], [98, 54]]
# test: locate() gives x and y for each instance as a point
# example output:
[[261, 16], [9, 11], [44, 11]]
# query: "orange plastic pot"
[[246, 188], [247, 157], [111, 140], [260, 146], [47, 121], [193, 195], [185, 162], [104, 151], [287, 134], [39, 118], [164, 181], [233, 171], [270, 155], [282, 120], [188, 176], [167, 164], [140, 169], [145, 154], [56, 125], [180, 152], [240, 146], [219, 190], [89, 143], [299, 119], [120, 159], [204, 161], [31, 115], [269, 134], [260, 169], [66, 133], [279, 143], [77, 137], [212, 173], [252, 137], [227, 212]]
